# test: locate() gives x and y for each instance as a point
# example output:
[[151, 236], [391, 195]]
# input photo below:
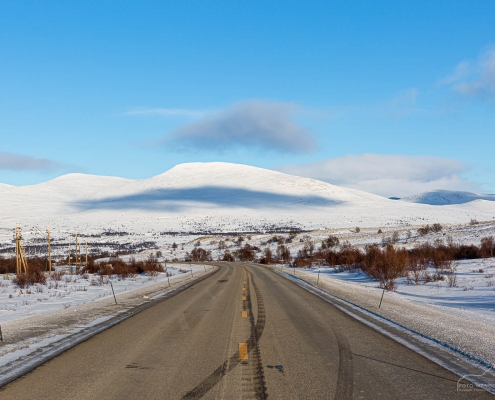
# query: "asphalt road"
[[243, 333]]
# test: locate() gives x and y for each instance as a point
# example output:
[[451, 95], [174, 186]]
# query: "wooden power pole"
[[20, 254], [49, 253], [77, 253], [86, 254], [17, 260]]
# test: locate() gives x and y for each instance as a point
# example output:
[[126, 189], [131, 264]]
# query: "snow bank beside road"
[[471, 330], [24, 334], [76, 290]]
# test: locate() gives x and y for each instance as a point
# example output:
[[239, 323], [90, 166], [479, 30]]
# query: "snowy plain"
[[212, 197], [212, 205]]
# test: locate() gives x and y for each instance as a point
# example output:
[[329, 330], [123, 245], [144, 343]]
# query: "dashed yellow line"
[[243, 351], [243, 297], [244, 314]]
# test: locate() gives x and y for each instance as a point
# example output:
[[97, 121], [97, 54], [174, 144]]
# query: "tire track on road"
[[258, 383]]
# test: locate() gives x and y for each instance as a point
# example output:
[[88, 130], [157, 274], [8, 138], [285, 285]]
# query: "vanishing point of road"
[[242, 333]]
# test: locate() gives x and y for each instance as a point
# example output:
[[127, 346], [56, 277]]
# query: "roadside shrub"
[[7, 265], [246, 253], [283, 253], [330, 242], [267, 257], [32, 277], [227, 256], [487, 247], [200, 254], [385, 265]]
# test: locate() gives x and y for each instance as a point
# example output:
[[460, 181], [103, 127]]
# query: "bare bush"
[[330, 242], [487, 247], [267, 257], [283, 253], [33, 276], [451, 276], [436, 228], [227, 256]]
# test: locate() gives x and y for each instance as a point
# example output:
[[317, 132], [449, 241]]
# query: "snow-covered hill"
[[445, 197], [219, 197]]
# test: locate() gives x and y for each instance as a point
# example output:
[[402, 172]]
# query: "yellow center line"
[[243, 351], [244, 314], [243, 297]]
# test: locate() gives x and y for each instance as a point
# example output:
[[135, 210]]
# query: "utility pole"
[[17, 261], [77, 253], [49, 253], [68, 252], [86, 254], [20, 254]]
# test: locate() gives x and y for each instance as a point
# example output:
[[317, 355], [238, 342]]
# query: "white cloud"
[[255, 124], [475, 79], [165, 112], [387, 175], [18, 162], [401, 104], [462, 70]]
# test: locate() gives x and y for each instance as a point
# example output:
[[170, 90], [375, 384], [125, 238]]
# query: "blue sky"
[[331, 90]]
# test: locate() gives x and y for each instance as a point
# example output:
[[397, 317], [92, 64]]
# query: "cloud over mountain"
[[254, 124], [19, 162], [387, 175]]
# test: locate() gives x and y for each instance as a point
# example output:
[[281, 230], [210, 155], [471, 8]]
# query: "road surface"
[[243, 333]]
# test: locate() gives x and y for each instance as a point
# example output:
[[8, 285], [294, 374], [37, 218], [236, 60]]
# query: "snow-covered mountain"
[[201, 197], [445, 197]]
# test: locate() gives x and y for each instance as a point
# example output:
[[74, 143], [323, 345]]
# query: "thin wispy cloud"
[[19, 162], [387, 175], [166, 112], [475, 79], [401, 103], [249, 124]]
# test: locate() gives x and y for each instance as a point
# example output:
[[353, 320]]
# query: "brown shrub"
[[33, 276]]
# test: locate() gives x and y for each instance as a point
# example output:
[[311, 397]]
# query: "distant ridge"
[[446, 197], [217, 197]]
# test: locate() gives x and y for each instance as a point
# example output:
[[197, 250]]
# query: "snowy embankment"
[[462, 317], [41, 314]]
